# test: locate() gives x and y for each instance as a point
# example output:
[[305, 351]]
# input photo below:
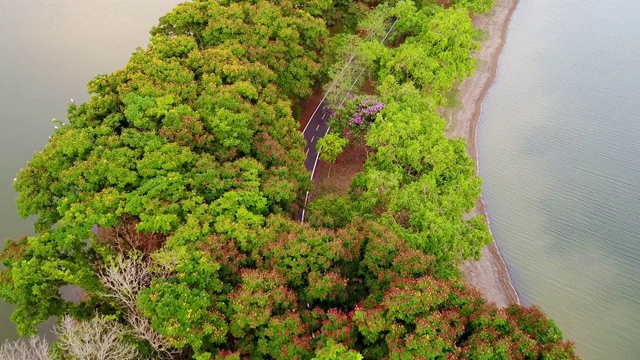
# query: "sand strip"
[[489, 274]]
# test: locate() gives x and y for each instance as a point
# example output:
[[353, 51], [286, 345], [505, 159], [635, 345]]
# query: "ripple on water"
[[560, 158]]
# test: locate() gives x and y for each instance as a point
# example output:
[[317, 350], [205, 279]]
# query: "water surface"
[[49, 49], [559, 146]]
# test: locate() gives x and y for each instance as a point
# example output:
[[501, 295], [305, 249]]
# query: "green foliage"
[[332, 212], [475, 6], [419, 181], [276, 34], [335, 351], [345, 15], [435, 183], [193, 137], [34, 283], [437, 52], [331, 146], [416, 181], [184, 308], [188, 159], [357, 58]]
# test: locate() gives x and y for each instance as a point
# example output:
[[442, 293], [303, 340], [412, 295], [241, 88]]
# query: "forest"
[[170, 198]]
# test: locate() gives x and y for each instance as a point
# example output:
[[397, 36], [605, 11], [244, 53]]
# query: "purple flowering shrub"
[[355, 115], [366, 113]]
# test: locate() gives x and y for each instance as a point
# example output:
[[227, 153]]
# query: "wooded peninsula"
[[171, 199]]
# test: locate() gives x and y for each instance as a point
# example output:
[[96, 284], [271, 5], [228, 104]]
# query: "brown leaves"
[[14, 250], [124, 237]]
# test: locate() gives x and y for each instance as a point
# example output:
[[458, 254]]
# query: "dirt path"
[[489, 274]]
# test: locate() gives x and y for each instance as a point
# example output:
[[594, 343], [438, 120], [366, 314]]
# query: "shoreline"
[[489, 274]]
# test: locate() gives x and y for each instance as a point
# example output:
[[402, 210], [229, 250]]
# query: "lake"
[[49, 50], [559, 146]]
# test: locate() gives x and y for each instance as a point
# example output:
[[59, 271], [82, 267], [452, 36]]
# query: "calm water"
[[49, 49], [560, 155]]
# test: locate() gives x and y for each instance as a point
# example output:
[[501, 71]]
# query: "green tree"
[[437, 51], [331, 211], [329, 147]]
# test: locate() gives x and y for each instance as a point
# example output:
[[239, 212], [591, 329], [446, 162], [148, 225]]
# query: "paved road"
[[316, 128]]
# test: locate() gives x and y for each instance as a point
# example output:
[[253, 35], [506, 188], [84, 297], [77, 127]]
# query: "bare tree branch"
[[96, 339], [35, 348], [124, 280]]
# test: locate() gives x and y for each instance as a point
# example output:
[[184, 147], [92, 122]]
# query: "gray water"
[[559, 145], [49, 49]]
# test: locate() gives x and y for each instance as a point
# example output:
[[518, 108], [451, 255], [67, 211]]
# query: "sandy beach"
[[489, 275]]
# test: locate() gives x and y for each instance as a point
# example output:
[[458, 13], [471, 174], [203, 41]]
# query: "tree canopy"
[[416, 181], [193, 136], [169, 200]]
